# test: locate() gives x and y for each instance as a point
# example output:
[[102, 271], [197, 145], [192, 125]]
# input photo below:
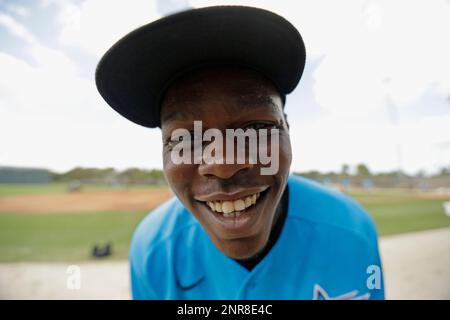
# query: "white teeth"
[[239, 205], [227, 206], [233, 208]]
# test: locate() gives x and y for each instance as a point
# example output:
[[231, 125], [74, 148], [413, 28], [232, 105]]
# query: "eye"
[[176, 140], [172, 142]]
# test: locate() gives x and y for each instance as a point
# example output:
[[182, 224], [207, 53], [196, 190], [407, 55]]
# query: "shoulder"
[[160, 226], [329, 209], [162, 246]]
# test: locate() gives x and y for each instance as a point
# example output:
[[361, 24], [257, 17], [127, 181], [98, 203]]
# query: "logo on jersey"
[[320, 294]]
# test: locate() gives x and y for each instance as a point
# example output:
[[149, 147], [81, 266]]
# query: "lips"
[[233, 208], [234, 214]]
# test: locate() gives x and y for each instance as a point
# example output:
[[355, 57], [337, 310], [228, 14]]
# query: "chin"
[[243, 236]]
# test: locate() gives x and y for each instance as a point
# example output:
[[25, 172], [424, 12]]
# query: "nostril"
[[222, 171], [209, 175]]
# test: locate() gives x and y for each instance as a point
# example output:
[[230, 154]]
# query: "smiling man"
[[239, 226]]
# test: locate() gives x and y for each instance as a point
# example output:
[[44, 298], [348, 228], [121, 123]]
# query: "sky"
[[376, 86]]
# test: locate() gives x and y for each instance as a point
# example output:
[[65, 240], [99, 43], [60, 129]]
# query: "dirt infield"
[[417, 265], [98, 280], [94, 201]]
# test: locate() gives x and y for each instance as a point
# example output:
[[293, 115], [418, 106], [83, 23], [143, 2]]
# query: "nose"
[[222, 171], [211, 168]]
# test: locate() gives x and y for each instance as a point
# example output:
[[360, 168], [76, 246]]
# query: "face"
[[227, 98]]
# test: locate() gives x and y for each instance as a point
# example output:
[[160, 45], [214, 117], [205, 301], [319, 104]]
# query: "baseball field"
[[49, 223]]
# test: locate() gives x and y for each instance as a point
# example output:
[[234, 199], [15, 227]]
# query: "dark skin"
[[280, 217], [229, 97]]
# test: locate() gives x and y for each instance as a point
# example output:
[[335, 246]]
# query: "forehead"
[[223, 89]]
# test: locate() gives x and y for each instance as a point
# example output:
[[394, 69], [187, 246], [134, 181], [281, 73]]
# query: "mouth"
[[238, 215], [233, 208]]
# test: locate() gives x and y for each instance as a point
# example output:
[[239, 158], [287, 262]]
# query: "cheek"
[[178, 176], [285, 152]]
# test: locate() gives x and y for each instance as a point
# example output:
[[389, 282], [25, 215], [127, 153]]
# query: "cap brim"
[[134, 73]]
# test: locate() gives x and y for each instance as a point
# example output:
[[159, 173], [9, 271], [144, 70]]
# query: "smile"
[[233, 208], [235, 213]]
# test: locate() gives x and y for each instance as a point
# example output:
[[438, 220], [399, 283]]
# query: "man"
[[235, 230]]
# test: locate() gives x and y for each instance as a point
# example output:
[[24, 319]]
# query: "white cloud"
[[16, 28], [52, 117], [51, 59], [401, 58], [57, 120], [97, 24], [327, 143], [18, 10], [51, 141]]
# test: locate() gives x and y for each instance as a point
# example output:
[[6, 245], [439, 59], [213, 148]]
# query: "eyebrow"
[[248, 102]]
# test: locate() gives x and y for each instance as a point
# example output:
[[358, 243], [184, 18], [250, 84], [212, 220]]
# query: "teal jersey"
[[327, 249]]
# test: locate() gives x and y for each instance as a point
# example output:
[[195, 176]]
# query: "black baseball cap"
[[134, 74]]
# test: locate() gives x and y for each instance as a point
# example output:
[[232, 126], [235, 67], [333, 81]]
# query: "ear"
[[285, 119]]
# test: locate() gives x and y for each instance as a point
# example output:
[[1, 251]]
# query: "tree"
[[344, 170], [362, 170]]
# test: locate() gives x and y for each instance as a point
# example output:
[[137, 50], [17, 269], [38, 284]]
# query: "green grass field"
[[70, 237], [64, 237], [22, 189], [397, 211]]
